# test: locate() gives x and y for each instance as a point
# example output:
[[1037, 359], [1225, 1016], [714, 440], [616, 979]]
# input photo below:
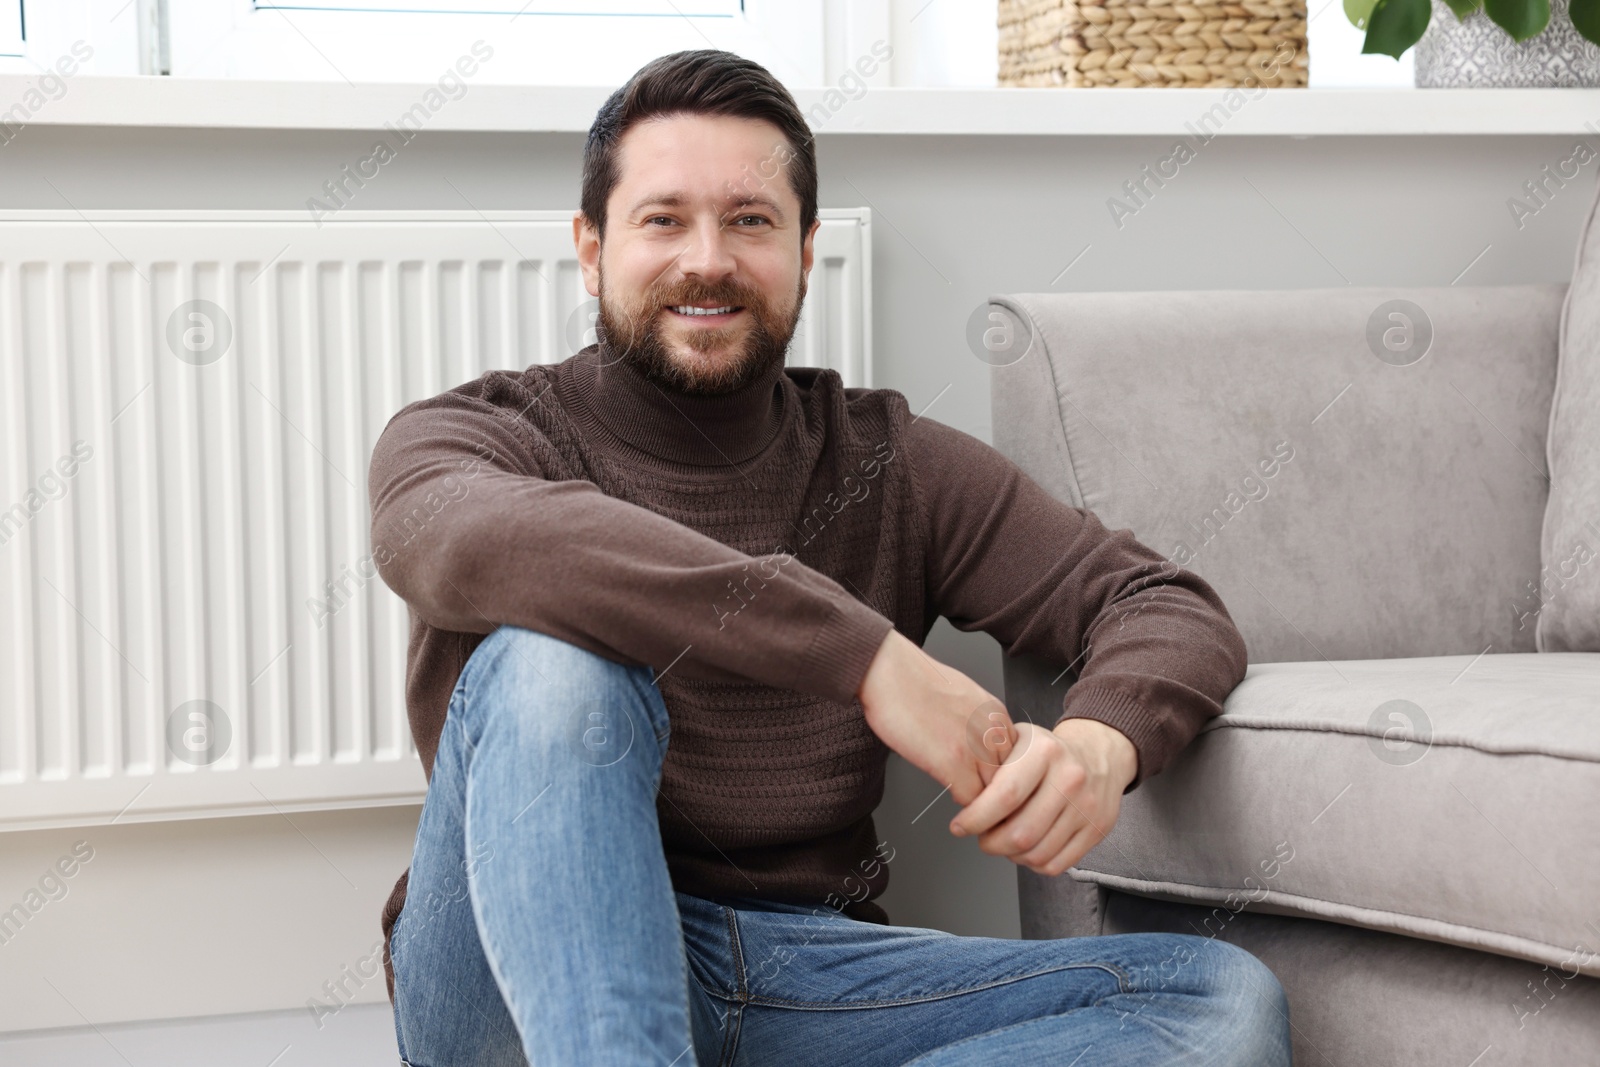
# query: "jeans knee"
[[560, 694], [519, 648], [1251, 1004]]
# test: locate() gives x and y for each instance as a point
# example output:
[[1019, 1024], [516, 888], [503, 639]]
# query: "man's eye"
[[655, 218], [760, 219]]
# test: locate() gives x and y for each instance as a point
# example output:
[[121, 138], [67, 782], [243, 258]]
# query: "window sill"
[[241, 104]]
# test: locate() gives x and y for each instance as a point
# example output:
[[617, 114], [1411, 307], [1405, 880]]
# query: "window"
[[58, 40], [614, 8], [11, 28], [529, 42]]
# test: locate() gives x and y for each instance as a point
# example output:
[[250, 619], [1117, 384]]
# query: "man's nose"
[[707, 253]]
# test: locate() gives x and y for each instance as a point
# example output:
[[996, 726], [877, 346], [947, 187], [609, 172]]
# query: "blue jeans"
[[541, 927]]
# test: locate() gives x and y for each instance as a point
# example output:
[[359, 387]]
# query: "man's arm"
[[1155, 650], [470, 532]]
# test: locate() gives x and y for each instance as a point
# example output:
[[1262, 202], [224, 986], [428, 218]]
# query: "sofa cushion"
[[1567, 595], [1451, 798]]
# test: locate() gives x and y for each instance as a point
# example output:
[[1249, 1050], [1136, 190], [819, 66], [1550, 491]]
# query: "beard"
[[633, 334]]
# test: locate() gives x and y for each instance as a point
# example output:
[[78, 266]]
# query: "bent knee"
[[553, 687], [528, 655], [1248, 1001], [1241, 973]]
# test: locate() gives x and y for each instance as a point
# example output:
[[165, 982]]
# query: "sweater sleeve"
[[471, 533], [1154, 648]]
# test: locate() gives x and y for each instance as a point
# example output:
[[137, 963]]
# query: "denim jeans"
[[541, 926]]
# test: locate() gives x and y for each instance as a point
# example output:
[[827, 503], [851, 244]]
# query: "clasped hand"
[[1042, 798]]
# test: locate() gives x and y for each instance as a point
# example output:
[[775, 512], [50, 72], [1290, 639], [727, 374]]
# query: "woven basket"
[[1180, 43]]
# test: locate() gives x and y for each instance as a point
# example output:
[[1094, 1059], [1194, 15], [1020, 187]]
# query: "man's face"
[[702, 217]]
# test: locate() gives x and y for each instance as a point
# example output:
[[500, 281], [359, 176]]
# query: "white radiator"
[[190, 624]]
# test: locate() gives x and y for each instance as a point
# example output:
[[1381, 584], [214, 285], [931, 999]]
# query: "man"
[[667, 600]]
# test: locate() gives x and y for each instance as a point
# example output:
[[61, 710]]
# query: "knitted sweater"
[[754, 549]]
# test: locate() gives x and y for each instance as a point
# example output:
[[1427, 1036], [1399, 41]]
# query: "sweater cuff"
[[1112, 703], [843, 648]]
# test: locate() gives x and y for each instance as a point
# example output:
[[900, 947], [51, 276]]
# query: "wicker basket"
[[1181, 43]]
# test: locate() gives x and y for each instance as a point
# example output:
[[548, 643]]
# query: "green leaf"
[[1359, 11], [1463, 8], [1520, 18], [1586, 17], [1396, 25]]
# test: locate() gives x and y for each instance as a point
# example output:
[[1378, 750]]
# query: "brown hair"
[[703, 81]]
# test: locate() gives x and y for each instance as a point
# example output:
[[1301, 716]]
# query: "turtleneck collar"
[[617, 401]]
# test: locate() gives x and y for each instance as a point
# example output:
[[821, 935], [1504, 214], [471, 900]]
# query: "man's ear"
[[586, 239], [807, 247]]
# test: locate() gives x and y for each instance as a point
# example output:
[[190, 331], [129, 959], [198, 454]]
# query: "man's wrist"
[[1122, 757], [882, 667]]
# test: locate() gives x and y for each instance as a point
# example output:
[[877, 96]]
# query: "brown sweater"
[[754, 550]]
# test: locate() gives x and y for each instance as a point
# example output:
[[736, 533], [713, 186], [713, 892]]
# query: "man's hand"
[[1055, 797], [1043, 798], [941, 721]]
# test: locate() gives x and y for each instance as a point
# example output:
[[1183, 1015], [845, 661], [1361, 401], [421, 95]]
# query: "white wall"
[[185, 919], [200, 918], [362, 1035]]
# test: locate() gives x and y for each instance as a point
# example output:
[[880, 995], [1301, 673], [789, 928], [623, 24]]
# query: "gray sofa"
[[1399, 810]]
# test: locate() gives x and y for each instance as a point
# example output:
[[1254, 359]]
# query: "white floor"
[[361, 1035]]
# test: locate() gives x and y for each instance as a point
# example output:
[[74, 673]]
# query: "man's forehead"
[[680, 160], [662, 132]]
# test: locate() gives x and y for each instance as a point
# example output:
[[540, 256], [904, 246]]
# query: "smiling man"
[[667, 604]]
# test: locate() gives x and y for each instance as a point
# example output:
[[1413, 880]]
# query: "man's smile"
[[711, 315]]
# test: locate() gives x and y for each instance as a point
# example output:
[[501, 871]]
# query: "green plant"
[[1394, 25]]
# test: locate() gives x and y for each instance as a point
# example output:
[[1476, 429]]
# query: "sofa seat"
[[1451, 798]]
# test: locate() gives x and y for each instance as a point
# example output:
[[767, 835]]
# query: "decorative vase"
[[1453, 54]]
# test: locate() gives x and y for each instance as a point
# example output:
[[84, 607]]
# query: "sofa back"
[[1359, 472]]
